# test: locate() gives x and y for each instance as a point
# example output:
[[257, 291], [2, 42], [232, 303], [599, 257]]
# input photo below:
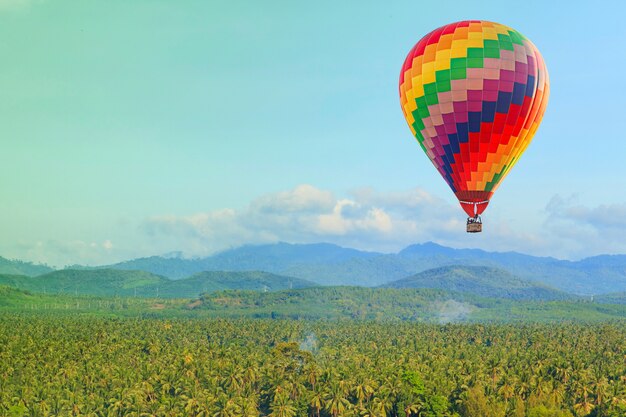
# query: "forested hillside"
[[113, 282], [391, 304], [482, 281], [16, 267]]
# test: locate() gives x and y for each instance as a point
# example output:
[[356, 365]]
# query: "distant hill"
[[203, 282], [612, 298], [174, 268], [108, 282], [277, 258], [112, 282], [588, 276], [15, 267], [283, 256], [483, 281]]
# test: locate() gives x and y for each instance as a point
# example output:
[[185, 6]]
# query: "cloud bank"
[[388, 221], [363, 218], [58, 253], [580, 230]]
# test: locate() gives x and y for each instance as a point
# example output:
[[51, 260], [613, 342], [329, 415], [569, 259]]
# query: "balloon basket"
[[474, 225]]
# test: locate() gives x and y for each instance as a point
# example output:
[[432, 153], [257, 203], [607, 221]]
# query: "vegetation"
[[112, 282], [24, 302], [94, 282], [333, 265], [431, 305], [328, 303], [15, 267], [613, 298], [277, 258], [368, 353], [247, 280], [100, 366], [328, 264], [480, 280]]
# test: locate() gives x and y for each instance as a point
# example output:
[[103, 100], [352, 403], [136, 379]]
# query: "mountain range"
[[328, 264]]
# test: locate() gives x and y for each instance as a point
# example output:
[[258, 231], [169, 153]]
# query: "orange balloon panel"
[[473, 94]]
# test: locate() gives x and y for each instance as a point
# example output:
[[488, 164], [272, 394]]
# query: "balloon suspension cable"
[[475, 204]]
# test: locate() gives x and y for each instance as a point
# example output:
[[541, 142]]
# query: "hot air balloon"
[[473, 93]]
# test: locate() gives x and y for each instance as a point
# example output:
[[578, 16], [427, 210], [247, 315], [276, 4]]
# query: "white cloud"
[[389, 221], [579, 230], [304, 199], [602, 217], [62, 253], [364, 219], [349, 216]]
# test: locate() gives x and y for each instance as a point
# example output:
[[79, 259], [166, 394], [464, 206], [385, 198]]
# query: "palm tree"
[[335, 401], [282, 406], [316, 401]]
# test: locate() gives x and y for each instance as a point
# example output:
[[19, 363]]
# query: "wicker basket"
[[474, 227]]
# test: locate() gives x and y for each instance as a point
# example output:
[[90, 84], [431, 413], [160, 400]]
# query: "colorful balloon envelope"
[[473, 94]]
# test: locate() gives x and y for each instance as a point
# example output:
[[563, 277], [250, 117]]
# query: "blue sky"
[[139, 128]]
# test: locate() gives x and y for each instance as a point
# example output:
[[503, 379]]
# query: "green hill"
[[210, 281], [100, 282], [15, 281], [14, 267], [483, 281], [174, 268], [114, 282]]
